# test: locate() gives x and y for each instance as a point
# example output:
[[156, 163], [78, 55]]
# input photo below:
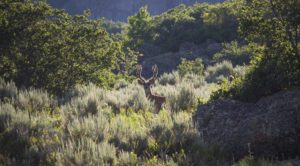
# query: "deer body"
[[158, 100]]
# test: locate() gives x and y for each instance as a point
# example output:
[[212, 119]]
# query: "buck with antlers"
[[158, 100]]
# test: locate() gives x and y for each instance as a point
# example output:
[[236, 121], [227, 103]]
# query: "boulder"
[[267, 128]]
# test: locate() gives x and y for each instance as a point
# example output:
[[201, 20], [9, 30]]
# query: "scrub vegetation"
[[69, 95]]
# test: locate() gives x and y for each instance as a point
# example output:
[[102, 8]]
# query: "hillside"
[[94, 126], [199, 84], [119, 10]]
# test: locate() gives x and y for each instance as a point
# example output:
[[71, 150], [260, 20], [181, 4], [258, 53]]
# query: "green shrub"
[[6, 113], [275, 66], [240, 71], [129, 133], [224, 90], [87, 152], [237, 55], [83, 106], [93, 127], [121, 84], [84, 100], [131, 97], [196, 80], [219, 71], [34, 139], [125, 159], [84, 90], [169, 78], [7, 90], [187, 66], [34, 100], [182, 99], [132, 136]]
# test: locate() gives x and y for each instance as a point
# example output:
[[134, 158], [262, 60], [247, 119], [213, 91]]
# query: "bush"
[[129, 133], [126, 159], [169, 78], [8, 90], [196, 80], [275, 66], [219, 71], [88, 104], [34, 100], [121, 84], [93, 127], [131, 97], [84, 90], [187, 66], [237, 55], [140, 102], [34, 139], [184, 99], [133, 135], [87, 152]]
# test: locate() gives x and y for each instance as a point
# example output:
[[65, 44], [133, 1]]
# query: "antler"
[[155, 73], [139, 69]]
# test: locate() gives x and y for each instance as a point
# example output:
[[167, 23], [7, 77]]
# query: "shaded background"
[[119, 10]]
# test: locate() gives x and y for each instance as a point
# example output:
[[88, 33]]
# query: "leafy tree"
[[46, 48], [274, 25], [173, 28], [220, 22], [139, 29], [182, 24]]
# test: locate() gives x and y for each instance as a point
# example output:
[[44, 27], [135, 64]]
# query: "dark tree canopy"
[[46, 48]]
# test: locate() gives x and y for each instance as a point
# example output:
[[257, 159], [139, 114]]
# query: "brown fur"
[[158, 100]]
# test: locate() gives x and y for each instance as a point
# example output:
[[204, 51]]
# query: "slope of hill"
[[71, 94], [120, 9]]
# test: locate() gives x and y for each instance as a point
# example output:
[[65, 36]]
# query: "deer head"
[[158, 100], [147, 83]]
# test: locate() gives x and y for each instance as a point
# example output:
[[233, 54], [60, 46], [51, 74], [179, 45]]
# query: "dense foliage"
[[119, 10], [274, 26], [186, 67], [69, 117], [236, 53], [46, 48], [94, 126], [182, 24]]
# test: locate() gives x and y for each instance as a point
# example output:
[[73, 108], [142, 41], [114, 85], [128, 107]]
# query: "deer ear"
[[141, 82]]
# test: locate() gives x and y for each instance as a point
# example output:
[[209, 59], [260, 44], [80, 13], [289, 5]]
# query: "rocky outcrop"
[[267, 128]]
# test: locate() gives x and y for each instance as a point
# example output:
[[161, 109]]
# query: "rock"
[[267, 128]]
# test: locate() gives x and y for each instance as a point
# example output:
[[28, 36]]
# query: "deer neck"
[[148, 92]]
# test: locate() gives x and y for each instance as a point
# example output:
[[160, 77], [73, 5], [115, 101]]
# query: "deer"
[[158, 100]]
